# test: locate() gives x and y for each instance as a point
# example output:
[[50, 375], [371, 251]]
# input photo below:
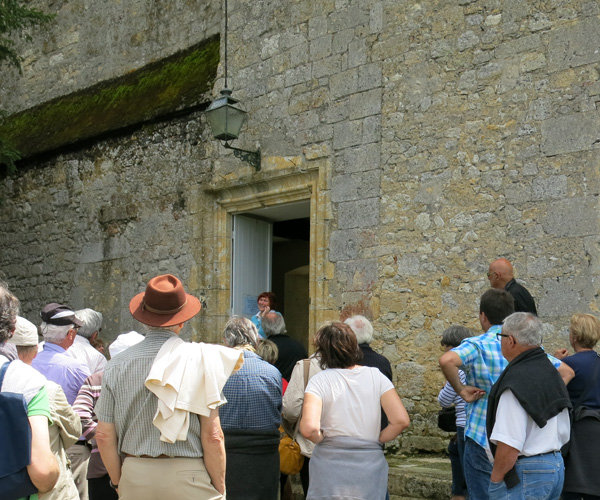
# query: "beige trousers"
[[161, 478], [79, 456]]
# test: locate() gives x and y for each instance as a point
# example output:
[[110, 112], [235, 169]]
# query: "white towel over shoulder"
[[189, 378]]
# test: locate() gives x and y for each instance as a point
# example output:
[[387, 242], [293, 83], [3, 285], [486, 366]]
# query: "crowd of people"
[[527, 422], [167, 418]]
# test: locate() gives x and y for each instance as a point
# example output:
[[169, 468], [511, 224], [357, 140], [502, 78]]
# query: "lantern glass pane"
[[225, 119]]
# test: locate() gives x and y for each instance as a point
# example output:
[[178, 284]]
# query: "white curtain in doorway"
[[251, 261]]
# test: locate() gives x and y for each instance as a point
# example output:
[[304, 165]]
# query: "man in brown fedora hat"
[[141, 464]]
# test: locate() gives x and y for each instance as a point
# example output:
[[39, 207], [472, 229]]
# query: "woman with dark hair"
[[266, 303], [342, 415]]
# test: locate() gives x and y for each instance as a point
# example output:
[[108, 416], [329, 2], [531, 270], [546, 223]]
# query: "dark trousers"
[[99, 489]]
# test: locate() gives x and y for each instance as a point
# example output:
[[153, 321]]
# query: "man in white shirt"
[[82, 349], [527, 417]]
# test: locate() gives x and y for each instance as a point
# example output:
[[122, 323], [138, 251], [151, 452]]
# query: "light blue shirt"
[[56, 365]]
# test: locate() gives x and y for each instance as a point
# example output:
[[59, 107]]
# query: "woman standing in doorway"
[[266, 303]]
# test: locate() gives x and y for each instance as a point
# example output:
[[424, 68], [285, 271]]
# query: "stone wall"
[[90, 41], [445, 135], [91, 226]]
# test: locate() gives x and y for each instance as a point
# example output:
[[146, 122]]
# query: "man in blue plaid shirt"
[[482, 361]]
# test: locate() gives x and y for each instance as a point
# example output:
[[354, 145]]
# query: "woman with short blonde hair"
[[581, 466]]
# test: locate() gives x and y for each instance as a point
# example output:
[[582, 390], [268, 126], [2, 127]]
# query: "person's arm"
[[294, 394], [566, 372], [43, 469], [504, 460], [106, 438], [398, 419], [84, 407], [66, 419], [213, 447], [561, 353], [450, 362], [310, 425]]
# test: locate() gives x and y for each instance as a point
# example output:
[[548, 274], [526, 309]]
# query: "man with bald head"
[[501, 277]]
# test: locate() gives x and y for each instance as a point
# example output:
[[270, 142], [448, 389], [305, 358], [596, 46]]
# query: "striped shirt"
[[253, 396], [84, 407], [125, 402], [448, 397]]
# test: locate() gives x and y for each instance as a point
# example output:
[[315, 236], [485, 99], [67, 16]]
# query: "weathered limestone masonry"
[[429, 137]]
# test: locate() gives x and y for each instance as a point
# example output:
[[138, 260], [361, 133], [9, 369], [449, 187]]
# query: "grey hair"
[[526, 328], [9, 309], [54, 334], [92, 321], [455, 334], [362, 328], [273, 324], [239, 331]]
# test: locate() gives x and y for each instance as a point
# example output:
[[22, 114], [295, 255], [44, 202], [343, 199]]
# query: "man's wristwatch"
[[113, 486]]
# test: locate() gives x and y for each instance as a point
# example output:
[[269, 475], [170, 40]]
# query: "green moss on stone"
[[173, 84]]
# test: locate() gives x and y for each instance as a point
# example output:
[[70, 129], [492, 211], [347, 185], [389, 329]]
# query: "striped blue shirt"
[[253, 396]]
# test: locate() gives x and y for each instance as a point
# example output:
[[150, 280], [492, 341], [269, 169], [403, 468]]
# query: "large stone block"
[[365, 104], [549, 188], [574, 44], [572, 217], [369, 76], [360, 213], [358, 159], [347, 134], [357, 275], [564, 295], [355, 186], [347, 244], [571, 133], [343, 84]]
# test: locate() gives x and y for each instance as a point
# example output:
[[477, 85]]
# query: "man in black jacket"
[[290, 351], [501, 276], [363, 329]]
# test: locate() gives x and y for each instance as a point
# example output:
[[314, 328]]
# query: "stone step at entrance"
[[419, 477]]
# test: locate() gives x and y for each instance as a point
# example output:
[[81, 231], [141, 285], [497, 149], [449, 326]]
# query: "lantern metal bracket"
[[251, 157]]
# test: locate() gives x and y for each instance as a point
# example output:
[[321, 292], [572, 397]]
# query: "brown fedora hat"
[[164, 303]]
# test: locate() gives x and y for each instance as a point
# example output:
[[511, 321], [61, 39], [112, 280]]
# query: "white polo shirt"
[[516, 428]]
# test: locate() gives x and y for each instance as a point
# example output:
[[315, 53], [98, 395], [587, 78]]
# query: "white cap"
[[26, 333], [124, 341]]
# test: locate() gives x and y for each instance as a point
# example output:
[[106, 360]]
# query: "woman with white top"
[[342, 415]]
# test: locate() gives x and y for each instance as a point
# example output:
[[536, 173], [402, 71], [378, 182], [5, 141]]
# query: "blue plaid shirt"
[[253, 396], [483, 363]]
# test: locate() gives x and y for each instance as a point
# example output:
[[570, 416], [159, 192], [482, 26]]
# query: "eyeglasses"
[[500, 335]]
